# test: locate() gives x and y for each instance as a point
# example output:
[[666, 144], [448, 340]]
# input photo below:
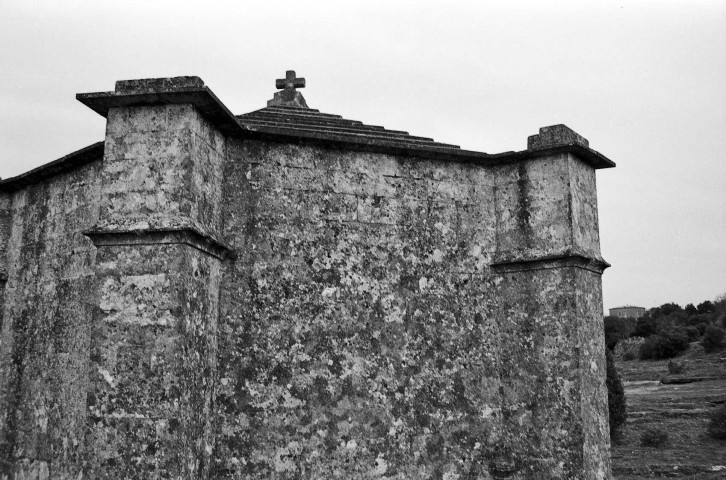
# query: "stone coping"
[[67, 163]]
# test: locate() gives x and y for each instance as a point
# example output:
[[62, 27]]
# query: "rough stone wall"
[[152, 369], [596, 442], [364, 334], [546, 207], [340, 336], [585, 225], [45, 326], [5, 371], [552, 396], [162, 170], [5, 220]]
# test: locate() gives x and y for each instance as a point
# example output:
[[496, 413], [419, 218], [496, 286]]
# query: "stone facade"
[[627, 311], [208, 296]]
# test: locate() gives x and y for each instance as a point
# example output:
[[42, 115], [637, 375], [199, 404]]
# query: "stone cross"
[[288, 96], [290, 82]]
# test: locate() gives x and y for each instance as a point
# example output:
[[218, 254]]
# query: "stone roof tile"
[[280, 119]]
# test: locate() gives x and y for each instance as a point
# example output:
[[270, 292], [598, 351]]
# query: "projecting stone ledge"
[[151, 85], [159, 91], [190, 236], [556, 136]]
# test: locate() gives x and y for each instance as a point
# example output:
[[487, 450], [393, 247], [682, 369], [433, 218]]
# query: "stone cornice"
[[595, 265], [186, 236], [201, 97]]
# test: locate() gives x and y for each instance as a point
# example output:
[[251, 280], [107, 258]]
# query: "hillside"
[[680, 410]]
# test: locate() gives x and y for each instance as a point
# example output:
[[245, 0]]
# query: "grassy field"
[[680, 410]]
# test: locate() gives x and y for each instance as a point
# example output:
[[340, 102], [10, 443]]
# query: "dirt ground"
[[680, 410]]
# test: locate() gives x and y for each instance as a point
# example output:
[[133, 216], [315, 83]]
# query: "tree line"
[[669, 329]]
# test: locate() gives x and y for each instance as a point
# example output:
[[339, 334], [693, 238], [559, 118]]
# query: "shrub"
[[677, 339], [644, 327], [675, 368], [717, 425], [629, 347], [653, 438], [713, 339], [629, 356], [617, 412], [667, 344], [615, 330], [701, 328], [648, 347], [694, 320], [705, 307], [698, 322], [693, 333], [665, 310]]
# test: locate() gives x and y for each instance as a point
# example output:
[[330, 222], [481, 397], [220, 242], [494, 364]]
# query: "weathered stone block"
[[149, 85], [555, 135]]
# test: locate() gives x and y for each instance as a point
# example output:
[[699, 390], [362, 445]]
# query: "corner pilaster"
[[159, 256], [549, 267]]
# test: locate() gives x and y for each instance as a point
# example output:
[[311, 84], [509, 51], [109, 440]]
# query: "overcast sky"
[[645, 82]]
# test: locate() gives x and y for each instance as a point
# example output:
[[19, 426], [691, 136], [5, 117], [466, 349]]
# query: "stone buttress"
[[547, 265], [153, 342], [288, 294]]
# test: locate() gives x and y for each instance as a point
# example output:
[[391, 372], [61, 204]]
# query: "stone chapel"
[[287, 294]]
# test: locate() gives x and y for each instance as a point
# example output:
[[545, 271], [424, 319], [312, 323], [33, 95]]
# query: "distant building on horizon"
[[628, 311]]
